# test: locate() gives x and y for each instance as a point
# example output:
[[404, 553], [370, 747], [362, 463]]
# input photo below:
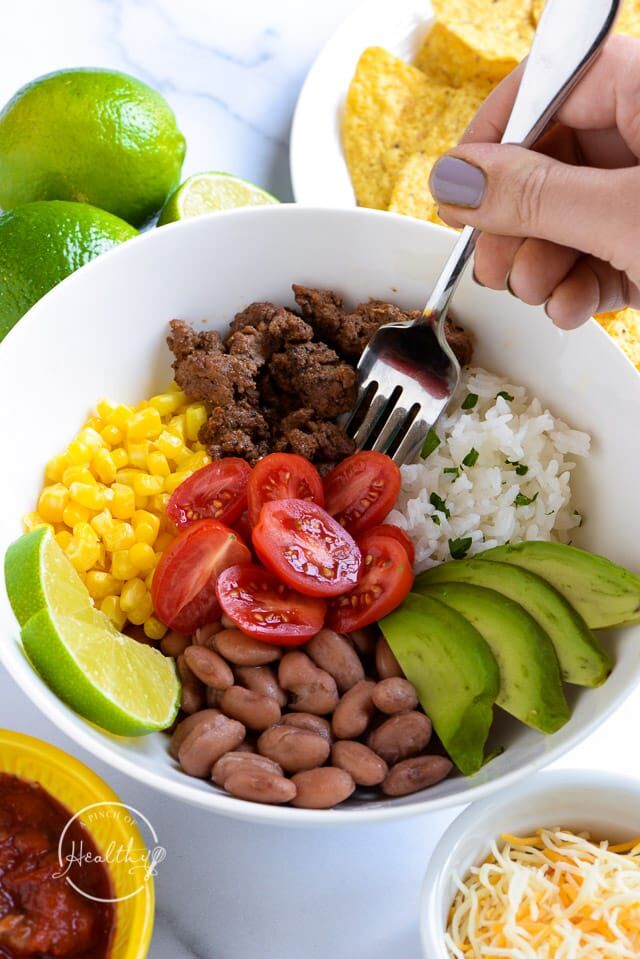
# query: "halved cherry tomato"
[[306, 548], [388, 529], [184, 583], [262, 607], [282, 476], [361, 490], [242, 527], [217, 491], [386, 583]]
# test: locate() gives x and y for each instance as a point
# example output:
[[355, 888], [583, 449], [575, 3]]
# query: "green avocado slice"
[[602, 592], [453, 670], [530, 680], [582, 659]]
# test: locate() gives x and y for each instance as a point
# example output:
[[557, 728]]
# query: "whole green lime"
[[92, 136], [41, 243]]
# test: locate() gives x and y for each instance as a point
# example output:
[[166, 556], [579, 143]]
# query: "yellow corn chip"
[[537, 6], [411, 194], [623, 326]]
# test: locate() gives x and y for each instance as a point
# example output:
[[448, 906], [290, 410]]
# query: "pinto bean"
[[365, 640], [209, 667], [363, 765], [253, 709], [317, 724], [314, 690], [354, 712], [174, 644], [261, 679], [411, 775], [228, 764], [213, 697], [386, 663], [193, 698], [292, 748], [183, 728], [241, 650], [207, 742], [401, 736], [334, 653], [322, 788], [259, 785], [204, 635], [395, 695]]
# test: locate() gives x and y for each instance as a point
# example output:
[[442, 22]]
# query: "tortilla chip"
[[375, 143], [411, 194], [628, 20], [537, 6], [623, 326]]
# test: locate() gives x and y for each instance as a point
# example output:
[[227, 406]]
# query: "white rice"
[[481, 499]]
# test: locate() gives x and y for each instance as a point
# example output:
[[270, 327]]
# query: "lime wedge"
[[211, 192], [121, 685]]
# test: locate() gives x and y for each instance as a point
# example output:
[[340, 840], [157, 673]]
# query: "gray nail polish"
[[457, 183]]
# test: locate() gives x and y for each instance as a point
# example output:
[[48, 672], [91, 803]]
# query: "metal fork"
[[408, 372]]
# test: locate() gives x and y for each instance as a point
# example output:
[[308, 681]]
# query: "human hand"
[[561, 225]]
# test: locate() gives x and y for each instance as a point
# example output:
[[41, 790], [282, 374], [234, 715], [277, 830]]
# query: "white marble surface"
[[232, 71]]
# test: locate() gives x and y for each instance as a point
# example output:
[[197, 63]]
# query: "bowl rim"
[[471, 818], [84, 734], [71, 776]]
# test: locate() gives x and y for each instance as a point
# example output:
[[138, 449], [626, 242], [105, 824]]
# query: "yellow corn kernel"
[[79, 453], [82, 553], [119, 457], [157, 463], [123, 503], [154, 629], [148, 580], [90, 438], [169, 444], [74, 513], [163, 541], [172, 482], [137, 454], [102, 522], [120, 416], [102, 584], [52, 502], [173, 387], [63, 538], [102, 563], [110, 606], [55, 468], [146, 526], [132, 594], [85, 532], [142, 557], [195, 416], [121, 565], [78, 474], [144, 425], [141, 501], [111, 434], [146, 485], [119, 536], [177, 425], [142, 611], [93, 497], [103, 466], [168, 403], [127, 476], [158, 503], [33, 521], [104, 408], [195, 461]]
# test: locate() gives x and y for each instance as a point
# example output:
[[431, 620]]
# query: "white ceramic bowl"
[[606, 806], [102, 333]]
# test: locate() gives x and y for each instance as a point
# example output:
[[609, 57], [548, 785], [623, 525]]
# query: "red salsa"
[[41, 915]]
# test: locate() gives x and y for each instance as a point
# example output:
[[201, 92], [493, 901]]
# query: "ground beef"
[[279, 380]]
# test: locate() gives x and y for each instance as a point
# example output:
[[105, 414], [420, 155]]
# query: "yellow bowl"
[[76, 787]]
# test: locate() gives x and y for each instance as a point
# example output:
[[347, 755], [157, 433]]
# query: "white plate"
[[102, 333], [319, 173]]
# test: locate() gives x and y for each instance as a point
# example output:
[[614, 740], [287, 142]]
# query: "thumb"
[[511, 191]]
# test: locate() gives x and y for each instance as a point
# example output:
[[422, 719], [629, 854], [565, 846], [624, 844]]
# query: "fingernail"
[[457, 183], [507, 283]]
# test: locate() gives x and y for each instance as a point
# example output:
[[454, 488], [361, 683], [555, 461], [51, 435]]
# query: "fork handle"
[[568, 39]]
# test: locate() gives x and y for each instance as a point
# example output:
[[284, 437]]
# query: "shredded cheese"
[[554, 895]]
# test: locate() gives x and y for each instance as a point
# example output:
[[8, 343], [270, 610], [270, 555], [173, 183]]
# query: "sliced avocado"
[[453, 670], [582, 659], [530, 681], [604, 593]]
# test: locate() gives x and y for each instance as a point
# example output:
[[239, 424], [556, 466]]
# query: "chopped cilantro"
[[471, 458], [459, 547], [436, 519], [505, 396], [521, 469], [431, 443], [454, 470], [438, 503], [522, 500], [469, 401]]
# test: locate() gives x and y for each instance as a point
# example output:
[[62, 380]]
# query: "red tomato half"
[[388, 529], [184, 583], [217, 491], [306, 548], [386, 583], [282, 476], [262, 607], [361, 490]]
